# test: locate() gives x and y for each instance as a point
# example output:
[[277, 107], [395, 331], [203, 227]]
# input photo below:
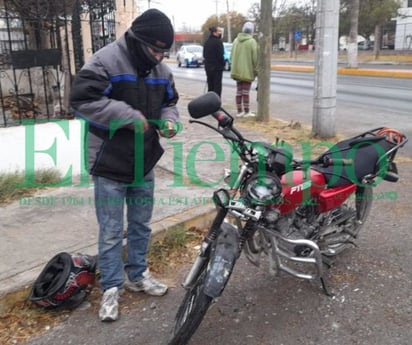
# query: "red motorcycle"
[[299, 213]]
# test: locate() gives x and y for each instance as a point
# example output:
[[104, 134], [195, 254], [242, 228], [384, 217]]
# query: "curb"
[[199, 216], [395, 73]]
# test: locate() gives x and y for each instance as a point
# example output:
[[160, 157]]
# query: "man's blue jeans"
[[110, 199]]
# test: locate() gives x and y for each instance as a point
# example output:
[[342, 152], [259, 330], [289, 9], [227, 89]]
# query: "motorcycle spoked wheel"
[[361, 203], [191, 311]]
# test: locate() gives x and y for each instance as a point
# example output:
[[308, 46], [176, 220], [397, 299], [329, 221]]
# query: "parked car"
[[227, 53], [365, 45], [190, 55]]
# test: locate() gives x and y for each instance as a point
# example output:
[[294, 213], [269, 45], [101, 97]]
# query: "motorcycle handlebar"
[[222, 119]]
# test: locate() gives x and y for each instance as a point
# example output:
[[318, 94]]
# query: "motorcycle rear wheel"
[[191, 311]]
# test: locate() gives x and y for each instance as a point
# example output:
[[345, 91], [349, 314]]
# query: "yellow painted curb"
[[292, 68], [391, 73]]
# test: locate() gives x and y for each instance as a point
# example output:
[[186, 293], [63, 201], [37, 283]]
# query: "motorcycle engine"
[[300, 224]]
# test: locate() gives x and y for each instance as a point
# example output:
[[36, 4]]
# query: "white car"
[[190, 55]]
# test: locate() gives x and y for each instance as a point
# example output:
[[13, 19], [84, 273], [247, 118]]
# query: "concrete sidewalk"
[[34, 229]]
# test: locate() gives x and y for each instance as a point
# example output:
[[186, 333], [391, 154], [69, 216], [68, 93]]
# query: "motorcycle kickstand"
[[325, 288], [326, 261]]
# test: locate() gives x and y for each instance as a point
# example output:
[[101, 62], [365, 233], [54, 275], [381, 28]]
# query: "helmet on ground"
[[65, 282]]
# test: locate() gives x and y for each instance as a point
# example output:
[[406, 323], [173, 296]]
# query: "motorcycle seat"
[[368, 156]]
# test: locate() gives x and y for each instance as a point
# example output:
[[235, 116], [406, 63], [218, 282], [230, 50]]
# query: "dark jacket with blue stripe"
[[108, 93]]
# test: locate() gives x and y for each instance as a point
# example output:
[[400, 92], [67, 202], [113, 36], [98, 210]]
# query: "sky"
[[193, 13]]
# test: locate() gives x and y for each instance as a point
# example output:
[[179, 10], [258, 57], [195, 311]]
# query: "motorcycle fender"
[[223, 258]]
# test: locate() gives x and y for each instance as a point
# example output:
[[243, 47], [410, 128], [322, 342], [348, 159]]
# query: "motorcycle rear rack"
[[279, 256]]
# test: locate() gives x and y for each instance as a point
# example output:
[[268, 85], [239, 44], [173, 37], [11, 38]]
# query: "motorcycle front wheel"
[[191, 311]]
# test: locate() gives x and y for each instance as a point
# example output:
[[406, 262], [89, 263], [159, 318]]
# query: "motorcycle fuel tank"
[[300, 187]]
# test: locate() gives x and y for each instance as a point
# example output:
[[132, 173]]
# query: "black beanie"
[[154, 29]]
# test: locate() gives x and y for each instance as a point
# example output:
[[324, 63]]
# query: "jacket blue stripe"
[[123, 77], [132, 78]]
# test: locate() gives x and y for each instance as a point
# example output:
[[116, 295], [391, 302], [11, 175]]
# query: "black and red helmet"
[[65, 282]]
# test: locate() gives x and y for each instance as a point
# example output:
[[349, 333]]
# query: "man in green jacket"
[[244, 59]]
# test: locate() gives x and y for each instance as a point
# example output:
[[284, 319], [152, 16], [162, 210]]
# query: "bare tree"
[[265, 44], [353, 35]]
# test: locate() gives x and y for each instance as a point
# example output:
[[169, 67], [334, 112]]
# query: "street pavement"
[[63, 219], [371, 283]]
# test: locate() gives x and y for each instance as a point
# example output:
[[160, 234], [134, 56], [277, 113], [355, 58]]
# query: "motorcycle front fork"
[[197, 265], [203, 256]]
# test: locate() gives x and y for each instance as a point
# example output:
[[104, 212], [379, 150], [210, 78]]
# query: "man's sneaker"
[[241, 114], [109, 306], [147, 284]]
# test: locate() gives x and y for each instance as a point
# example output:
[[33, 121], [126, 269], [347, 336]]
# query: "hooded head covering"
[[248, 28], [151, 29]]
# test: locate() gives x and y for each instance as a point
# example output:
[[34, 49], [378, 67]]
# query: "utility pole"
[[217, 10], [229, 31], [326, 68], [265, 45]]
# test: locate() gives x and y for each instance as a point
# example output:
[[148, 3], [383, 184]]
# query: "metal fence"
[[42, 46]]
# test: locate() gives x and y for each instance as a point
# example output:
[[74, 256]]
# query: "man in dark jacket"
[[214, 61], [127, 98]]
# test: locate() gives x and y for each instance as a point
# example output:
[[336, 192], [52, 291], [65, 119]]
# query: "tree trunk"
[[353, 35], [265, 41], [378, 40], [291, 43]]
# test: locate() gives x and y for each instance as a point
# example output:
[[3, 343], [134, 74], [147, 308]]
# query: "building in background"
[[403, 37]]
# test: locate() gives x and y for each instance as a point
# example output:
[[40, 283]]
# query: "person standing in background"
[[214, 61], [244, 60]]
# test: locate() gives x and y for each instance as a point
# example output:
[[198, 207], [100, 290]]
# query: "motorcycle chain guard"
[[223, 259]]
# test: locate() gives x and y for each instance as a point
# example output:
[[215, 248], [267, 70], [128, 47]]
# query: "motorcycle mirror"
[[204, 105]]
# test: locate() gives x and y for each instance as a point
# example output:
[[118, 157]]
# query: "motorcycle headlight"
[[263, 189]]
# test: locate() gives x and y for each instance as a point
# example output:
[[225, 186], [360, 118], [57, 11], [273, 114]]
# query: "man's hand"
[[168, 130], [141, 124]]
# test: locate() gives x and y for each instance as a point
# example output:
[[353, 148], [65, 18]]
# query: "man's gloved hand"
[[169, 129]]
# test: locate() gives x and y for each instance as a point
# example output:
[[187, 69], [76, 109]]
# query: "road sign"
[[297, 35]]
